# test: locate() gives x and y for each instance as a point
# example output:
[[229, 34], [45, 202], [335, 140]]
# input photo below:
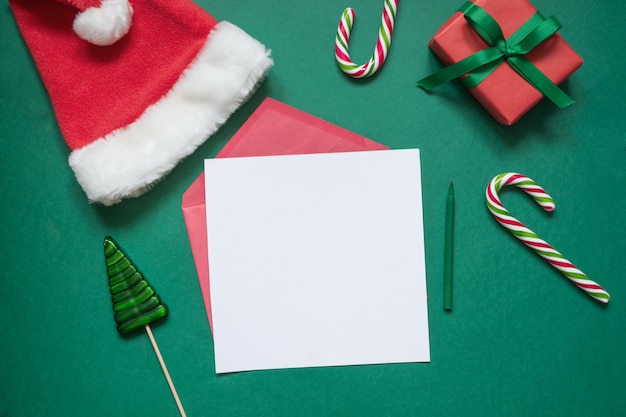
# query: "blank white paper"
[[317, 260]]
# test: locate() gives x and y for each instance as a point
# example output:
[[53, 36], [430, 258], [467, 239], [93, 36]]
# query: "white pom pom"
[[106, 24]]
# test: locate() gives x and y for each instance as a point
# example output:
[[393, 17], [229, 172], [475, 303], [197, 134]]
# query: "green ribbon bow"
[[481, 64]]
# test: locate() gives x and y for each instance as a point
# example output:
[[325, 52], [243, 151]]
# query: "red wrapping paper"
[[504, 93]]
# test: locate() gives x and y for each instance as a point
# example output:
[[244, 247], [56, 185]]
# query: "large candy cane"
[[382, 45], [530, 238]]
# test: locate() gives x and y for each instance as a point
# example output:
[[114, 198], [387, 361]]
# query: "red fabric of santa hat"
[[136, 85]]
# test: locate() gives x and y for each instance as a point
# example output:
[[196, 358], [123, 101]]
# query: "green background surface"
[[521, 340]]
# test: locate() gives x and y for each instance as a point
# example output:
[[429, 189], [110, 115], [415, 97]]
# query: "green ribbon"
[[481, 64]]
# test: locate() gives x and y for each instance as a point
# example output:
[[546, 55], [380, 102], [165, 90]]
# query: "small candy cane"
[[530, 238], [382, 45]]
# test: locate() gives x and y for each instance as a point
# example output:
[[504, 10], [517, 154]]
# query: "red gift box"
[[505, 94]]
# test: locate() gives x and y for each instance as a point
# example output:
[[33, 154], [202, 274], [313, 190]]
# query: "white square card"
[[317, 260]]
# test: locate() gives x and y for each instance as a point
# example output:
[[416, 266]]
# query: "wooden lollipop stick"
[[165, 371]]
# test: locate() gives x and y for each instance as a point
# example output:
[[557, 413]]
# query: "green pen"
[[448, 249]]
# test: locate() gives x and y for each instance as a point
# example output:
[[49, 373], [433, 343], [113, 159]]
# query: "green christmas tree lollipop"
[[135, 302]]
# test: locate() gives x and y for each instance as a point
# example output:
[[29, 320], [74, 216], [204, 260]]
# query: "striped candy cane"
[[382, 45], [530, 238]]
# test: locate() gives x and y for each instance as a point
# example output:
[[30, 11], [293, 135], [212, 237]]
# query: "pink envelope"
[[273, 129]]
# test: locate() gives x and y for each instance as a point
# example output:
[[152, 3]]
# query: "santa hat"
[[136, 85]]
